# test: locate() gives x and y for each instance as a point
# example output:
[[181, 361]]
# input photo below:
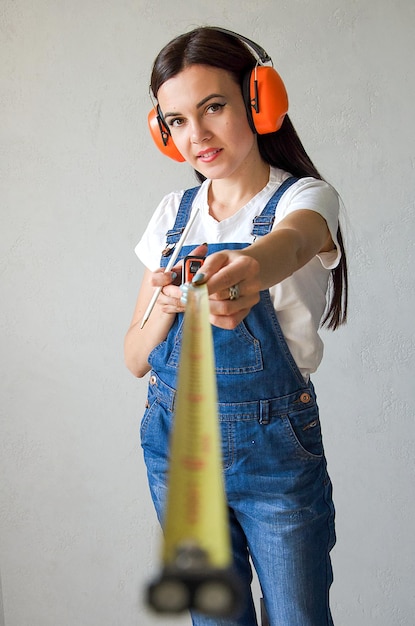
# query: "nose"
[[199, 132]]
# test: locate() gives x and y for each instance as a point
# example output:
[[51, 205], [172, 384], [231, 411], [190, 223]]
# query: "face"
[[204, 110]]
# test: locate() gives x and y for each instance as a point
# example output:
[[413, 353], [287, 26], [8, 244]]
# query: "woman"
[[274, 251]]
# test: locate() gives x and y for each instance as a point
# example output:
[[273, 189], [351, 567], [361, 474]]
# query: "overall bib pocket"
[[239, 343]]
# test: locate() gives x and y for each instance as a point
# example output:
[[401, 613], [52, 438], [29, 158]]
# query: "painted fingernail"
[[198, 278], [184, 287], [183, 299], [173, 275]]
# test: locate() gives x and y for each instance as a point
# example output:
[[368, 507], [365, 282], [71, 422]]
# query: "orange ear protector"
[[161, 134], [264, 94]]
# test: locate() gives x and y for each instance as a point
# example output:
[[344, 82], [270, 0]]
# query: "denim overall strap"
[[173, 235], [263, 222]]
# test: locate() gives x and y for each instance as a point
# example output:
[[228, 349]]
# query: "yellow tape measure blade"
[[196, 507]]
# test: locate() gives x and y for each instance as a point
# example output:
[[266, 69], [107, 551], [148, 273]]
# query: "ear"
[[161, 135]]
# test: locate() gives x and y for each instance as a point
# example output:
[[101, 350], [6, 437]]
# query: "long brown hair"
[[283, 149]]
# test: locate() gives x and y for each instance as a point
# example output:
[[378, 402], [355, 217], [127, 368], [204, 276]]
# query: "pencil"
[[169, 265]]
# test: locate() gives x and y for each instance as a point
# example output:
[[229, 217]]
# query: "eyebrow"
[[198, 105]]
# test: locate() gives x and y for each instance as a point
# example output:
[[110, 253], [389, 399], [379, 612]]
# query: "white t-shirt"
[[299, 300]]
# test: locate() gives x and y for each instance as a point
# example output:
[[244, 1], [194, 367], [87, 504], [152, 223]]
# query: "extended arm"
[[139, 342], [268, 261]]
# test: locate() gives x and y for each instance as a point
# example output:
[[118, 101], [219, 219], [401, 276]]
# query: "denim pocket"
[[227, 434], [151, 405], [304, 429], [239, 351]]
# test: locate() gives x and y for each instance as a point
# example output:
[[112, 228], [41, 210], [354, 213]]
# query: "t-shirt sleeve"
[[153, 240], [315, 195]]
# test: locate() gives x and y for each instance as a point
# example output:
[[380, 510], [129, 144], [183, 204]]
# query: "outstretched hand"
[[233, 283], [232, 278], [170, 298]]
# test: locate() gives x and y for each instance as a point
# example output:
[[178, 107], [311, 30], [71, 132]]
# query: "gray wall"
[[2, 622], [79, 180]]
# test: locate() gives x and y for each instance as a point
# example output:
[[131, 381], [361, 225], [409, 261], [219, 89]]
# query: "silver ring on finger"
[[234, 292]]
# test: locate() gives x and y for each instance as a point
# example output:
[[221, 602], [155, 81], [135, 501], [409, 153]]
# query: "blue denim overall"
[[279, 493]]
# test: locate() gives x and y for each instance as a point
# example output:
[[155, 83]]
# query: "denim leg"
[[155, 432], [154, 435], [246, 616], [291, 557], [281, 495], [242, 567]]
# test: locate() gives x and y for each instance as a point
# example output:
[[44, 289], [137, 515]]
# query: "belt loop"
[[264, 412]]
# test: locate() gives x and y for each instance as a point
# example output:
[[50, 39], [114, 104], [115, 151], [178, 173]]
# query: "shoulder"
[[312, 194], [306, 189], [165, 213], [167, 206], [166, 210], [149, 247], [163, 218]]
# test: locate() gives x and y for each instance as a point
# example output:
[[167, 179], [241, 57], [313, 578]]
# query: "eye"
[[214, 107], [176, 121]]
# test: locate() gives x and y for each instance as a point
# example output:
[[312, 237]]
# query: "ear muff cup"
[[161, 135], [266, 99]]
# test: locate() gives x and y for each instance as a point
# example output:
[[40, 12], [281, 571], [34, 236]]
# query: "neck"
[[227, 195]]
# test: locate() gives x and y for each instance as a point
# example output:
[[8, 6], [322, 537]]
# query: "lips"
[[209, 155]]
